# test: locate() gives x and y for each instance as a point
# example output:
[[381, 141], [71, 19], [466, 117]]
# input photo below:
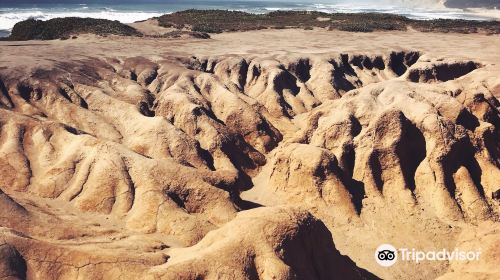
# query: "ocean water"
[[127, 11]]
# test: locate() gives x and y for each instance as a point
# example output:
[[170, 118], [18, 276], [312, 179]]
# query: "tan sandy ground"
[[126, 157], [264, 42]]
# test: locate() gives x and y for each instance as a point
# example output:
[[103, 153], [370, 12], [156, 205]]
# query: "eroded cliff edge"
[[302, 165]]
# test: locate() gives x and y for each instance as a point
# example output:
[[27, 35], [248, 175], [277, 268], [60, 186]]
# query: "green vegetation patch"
[[217, 21], [201, 22], [63, 28], [457, 26]]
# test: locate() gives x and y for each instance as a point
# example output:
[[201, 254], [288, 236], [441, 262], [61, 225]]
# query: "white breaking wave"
[[9, 18], [419, 3]]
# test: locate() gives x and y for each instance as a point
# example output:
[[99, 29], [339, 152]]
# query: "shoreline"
[[218, 21], [126, 16]]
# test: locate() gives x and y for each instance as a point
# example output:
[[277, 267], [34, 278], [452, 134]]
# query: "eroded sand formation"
[[247, 167]]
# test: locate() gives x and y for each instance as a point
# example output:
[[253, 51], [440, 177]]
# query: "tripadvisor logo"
[[387, 255]]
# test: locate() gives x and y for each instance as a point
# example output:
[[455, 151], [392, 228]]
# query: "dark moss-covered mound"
[[182, 34], [457, 26], [217, 21], [62, 28]]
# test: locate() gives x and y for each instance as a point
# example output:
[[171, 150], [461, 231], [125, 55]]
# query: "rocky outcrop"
[[274, 243], [154, 161]]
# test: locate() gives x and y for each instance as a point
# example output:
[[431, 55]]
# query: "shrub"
[[63, 28]]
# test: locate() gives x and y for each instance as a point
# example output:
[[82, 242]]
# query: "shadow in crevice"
[[5, 94], [376, 170], [355, 188], [12, 263], [475, 173], [285, 81], [442, 72], [348, 157], [242, 74], [244, 158], [491, 143], [176, 199], [341, 70], [73, 130], [496, 195], [462, 154], [64, 94], [411, 151], [133, 76], [27, 92], [467, 120], [357, 191], [301, 69], [243, 205], [396, 63], [206, 156], [145, 109], [267, 129], [399, 62]]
